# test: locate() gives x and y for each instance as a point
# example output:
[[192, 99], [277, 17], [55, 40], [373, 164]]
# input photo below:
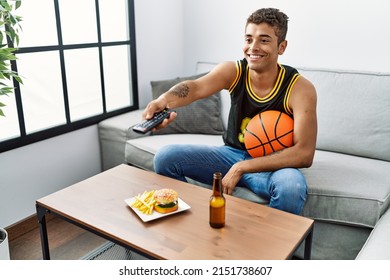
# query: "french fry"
[[144, 202]]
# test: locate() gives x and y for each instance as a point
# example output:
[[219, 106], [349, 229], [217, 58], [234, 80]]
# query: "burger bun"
[[166, 201]]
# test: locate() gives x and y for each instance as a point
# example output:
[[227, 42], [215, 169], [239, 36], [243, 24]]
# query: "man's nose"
[[255, 46]]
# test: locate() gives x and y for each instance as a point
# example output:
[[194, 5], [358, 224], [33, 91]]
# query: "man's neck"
[[263, 82]]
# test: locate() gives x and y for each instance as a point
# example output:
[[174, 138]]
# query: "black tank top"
[[245, 103]]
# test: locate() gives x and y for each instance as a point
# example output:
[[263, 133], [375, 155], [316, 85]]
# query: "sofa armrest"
[[377, 246], [113, 134]]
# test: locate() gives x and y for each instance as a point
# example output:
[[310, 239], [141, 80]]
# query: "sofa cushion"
[[202, 116], [353, 112], [140, 152], [113, 134], [347, 189]]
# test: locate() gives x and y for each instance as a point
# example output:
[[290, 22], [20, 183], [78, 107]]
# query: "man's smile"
[[255, 56]]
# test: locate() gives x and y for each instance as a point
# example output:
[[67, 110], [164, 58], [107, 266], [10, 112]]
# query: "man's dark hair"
[[275, 18]]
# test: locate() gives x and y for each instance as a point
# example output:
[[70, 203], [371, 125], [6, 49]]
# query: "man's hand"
[[153, 107], [230, 180], [156, 106]]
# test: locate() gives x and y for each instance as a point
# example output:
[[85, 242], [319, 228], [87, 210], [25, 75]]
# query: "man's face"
[[261, 48]]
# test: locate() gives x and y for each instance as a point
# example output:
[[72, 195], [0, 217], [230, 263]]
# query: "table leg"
[[308, 242], [41, 212]]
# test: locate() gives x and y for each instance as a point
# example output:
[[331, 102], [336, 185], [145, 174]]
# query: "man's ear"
[[282, 47]]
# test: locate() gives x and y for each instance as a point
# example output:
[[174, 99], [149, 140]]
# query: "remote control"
[[148, 125]]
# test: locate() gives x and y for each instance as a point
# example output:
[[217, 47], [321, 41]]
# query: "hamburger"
[[166, 200]]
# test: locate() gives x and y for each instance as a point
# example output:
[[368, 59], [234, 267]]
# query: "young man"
[[256, 83]]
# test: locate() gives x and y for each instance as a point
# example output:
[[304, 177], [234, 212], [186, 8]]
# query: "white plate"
[[156, 215]]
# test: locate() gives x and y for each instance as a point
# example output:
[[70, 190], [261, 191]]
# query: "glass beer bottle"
[[217, 203]]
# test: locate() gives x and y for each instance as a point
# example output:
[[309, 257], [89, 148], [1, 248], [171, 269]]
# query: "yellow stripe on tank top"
[[238, 75], [273, 92]]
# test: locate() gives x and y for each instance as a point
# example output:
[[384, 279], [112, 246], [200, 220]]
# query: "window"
[[78, 65]]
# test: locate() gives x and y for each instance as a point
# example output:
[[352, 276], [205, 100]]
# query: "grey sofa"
[[349, 181]]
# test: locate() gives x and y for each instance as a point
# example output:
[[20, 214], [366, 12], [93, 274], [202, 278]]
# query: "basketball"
[[268, 132]]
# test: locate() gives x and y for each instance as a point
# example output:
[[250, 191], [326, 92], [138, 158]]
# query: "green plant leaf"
[[6, 90], [19, 79], [5, 6], [1, 111], [9, 27]]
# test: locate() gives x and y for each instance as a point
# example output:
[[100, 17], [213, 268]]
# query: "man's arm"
[[186, 92], [303, 103]]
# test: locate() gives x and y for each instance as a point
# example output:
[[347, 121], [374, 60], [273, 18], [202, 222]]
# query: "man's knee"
[[290, 182], [287, 176], [162, 159]]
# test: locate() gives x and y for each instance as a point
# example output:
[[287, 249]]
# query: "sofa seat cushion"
[[347, 189], [140, 152]]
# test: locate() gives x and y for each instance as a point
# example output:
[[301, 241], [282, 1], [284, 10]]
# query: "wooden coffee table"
[[252, 231]]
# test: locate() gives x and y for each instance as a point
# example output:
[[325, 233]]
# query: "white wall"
[[344, 34], [31, 172], [159, 35]]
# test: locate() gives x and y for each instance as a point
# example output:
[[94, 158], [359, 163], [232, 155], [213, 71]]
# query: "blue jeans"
[[285, 189]]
